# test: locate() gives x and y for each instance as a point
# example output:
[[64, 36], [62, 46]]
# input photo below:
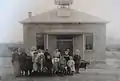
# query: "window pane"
[[89, 41]]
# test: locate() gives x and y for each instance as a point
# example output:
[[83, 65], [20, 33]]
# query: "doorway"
[[65, 42]]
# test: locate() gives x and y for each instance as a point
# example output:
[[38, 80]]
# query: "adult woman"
[[77, 59], [16, 63], [22, 61]]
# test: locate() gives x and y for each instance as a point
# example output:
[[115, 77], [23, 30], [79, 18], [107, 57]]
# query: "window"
[[40, 41], [89, 41]]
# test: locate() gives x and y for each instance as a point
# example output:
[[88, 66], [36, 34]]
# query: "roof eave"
[[64, 22]]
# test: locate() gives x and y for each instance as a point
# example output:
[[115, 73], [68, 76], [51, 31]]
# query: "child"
[[71, 66], [77, 59], [34, 59], [40, 58], [29, 65], [66, 56], [49, 64], [22, 59], [55, 62], [62, 65]]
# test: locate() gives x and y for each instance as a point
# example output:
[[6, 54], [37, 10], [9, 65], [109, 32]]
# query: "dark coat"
[[70, 53], [77, 59], [29, 63], [15, 57], [66, 57], [22, 60], [16, 64], [46, 54], [49, 63]]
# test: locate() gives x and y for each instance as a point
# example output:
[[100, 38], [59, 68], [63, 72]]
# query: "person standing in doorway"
[[56, 53], [77, 59], [46, 53], [69, 53]]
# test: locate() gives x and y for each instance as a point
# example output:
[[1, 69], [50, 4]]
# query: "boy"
[[66, 56], [49, 64], [62, 65], [40, 58], [77, 59]]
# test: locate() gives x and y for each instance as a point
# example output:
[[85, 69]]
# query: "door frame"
[[81, 45]]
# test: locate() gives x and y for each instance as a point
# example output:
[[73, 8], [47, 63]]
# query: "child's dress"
[[40, 58], [35, 67], [55, 62], [71, 65]]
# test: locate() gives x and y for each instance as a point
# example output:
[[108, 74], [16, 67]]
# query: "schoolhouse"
[[63, 28]]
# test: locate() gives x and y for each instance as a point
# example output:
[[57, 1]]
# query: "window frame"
[[89, 50], [37, 35]]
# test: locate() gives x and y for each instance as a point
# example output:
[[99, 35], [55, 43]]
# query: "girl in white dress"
[[35, 67], [55, 61], [40, 58], [71, 65]]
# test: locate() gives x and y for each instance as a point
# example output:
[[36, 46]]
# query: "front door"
[[65, 43]]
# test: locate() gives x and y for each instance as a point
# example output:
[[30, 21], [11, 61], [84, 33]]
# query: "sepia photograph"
[[60, 40]]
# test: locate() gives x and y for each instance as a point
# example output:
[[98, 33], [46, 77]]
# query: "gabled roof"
[[52, 17]]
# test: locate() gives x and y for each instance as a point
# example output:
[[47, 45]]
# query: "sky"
[[13, 11]]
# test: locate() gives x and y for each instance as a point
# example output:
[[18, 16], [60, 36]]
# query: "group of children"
[[40, 61], [57, 63]]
